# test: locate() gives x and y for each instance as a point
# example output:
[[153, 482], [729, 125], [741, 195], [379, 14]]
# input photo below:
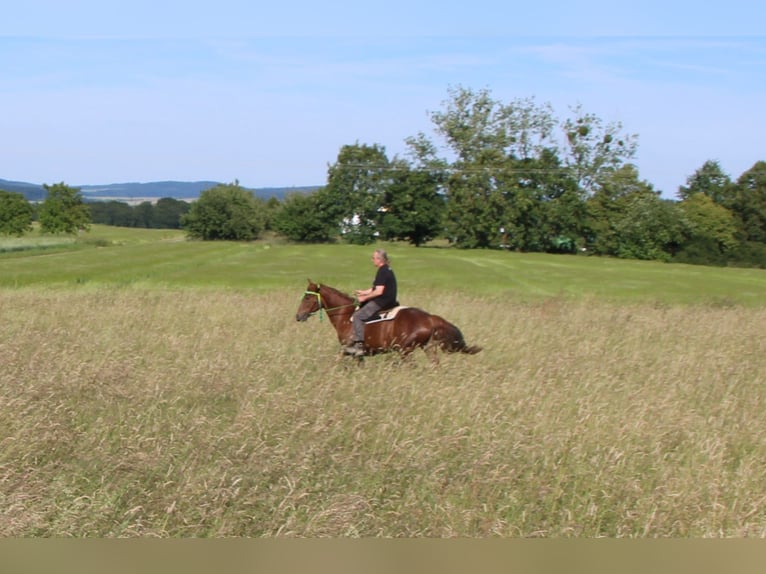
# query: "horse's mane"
[[335, 291]]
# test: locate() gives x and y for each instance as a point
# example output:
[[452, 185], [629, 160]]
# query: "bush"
[[225, 211], [16, 214], [700, 251], [748, 254], [300, 219]]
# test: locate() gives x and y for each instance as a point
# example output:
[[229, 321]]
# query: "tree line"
[[166, 213], [496, 175]]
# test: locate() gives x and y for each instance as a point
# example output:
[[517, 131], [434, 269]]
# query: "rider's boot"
[[356, 349]]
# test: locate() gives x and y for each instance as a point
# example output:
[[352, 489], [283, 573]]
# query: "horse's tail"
[[471, 349], [449, 338]]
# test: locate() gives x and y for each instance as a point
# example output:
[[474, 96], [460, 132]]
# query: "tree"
[[512, 178], [301, 219], [143, 214], [412, 205], [555, 216], [476, 130], [168, 212], [710, 180], [226, 211], [16, 214], [271, 207], [749, 203], [650, 228], [63, 210], [710, 221], [627, 218], [354, 192], [594, 149], [117, 213]]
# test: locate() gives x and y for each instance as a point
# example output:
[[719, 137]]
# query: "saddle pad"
[[386, 315]]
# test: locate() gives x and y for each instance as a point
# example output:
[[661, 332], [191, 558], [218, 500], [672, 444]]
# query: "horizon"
[[181, 181]]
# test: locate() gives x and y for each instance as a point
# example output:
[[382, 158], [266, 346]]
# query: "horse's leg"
[[432, 352], [418, 337]]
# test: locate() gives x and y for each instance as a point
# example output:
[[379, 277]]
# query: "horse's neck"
[[339, 308], [334, 299]]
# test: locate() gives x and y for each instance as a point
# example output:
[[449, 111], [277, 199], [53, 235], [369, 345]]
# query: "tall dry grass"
[[135, 412]]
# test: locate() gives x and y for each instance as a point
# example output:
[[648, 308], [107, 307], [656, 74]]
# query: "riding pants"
[[361, 315]]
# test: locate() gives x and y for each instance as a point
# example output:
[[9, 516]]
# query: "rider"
[[381, 295]]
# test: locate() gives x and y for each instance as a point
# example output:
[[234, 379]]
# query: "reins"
[[322, 306]]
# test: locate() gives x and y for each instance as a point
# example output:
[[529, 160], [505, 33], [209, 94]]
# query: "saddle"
[[384, 314]]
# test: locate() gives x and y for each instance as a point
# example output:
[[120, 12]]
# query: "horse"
[[409, 329]]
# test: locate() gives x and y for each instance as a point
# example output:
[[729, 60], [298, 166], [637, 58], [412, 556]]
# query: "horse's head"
[[310, 303]]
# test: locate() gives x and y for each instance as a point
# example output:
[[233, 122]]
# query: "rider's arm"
[[367, 294]]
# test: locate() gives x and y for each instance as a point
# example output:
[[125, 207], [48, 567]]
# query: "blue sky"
[[96, 92]]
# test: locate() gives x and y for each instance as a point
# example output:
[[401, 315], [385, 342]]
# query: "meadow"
[[156, 387]]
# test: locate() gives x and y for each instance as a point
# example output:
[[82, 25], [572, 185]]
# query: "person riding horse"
[[382, 295], [410, 329]]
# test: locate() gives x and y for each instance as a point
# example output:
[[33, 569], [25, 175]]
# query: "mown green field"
[[156, 387], [119, 257]]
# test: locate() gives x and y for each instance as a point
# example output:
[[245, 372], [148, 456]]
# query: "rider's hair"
[[382, 254]]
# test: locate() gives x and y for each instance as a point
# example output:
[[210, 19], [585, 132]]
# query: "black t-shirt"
[[385, 276]]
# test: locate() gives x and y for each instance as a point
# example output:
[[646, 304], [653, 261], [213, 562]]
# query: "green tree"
[[555, 215], [413, 204], [649, 228], [355, 191], [710, 221], [63, 210], [748, 254], [627, 218], [475, 129], [16, 214], [117, 213], [301, 219], [477, 208], [143, 214], [271, 207], [512, 179], [494, 189], [168, 212], [749, 202], [710, 180], [226, 211], [594, 150]]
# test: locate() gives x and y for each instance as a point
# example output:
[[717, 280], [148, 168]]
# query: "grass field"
[[156, 387], [110, 256]]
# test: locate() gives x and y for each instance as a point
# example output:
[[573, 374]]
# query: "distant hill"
[[185, 190], [174, 189], [31, 191]]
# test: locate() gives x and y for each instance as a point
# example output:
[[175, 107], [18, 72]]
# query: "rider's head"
[[380, 257]]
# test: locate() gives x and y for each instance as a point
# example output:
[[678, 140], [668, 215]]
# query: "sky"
[[98, 92]]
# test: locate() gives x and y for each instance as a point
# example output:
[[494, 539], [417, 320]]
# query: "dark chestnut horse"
[[410, 329]]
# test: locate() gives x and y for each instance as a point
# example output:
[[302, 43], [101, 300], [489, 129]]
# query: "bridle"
[[321, 304]]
